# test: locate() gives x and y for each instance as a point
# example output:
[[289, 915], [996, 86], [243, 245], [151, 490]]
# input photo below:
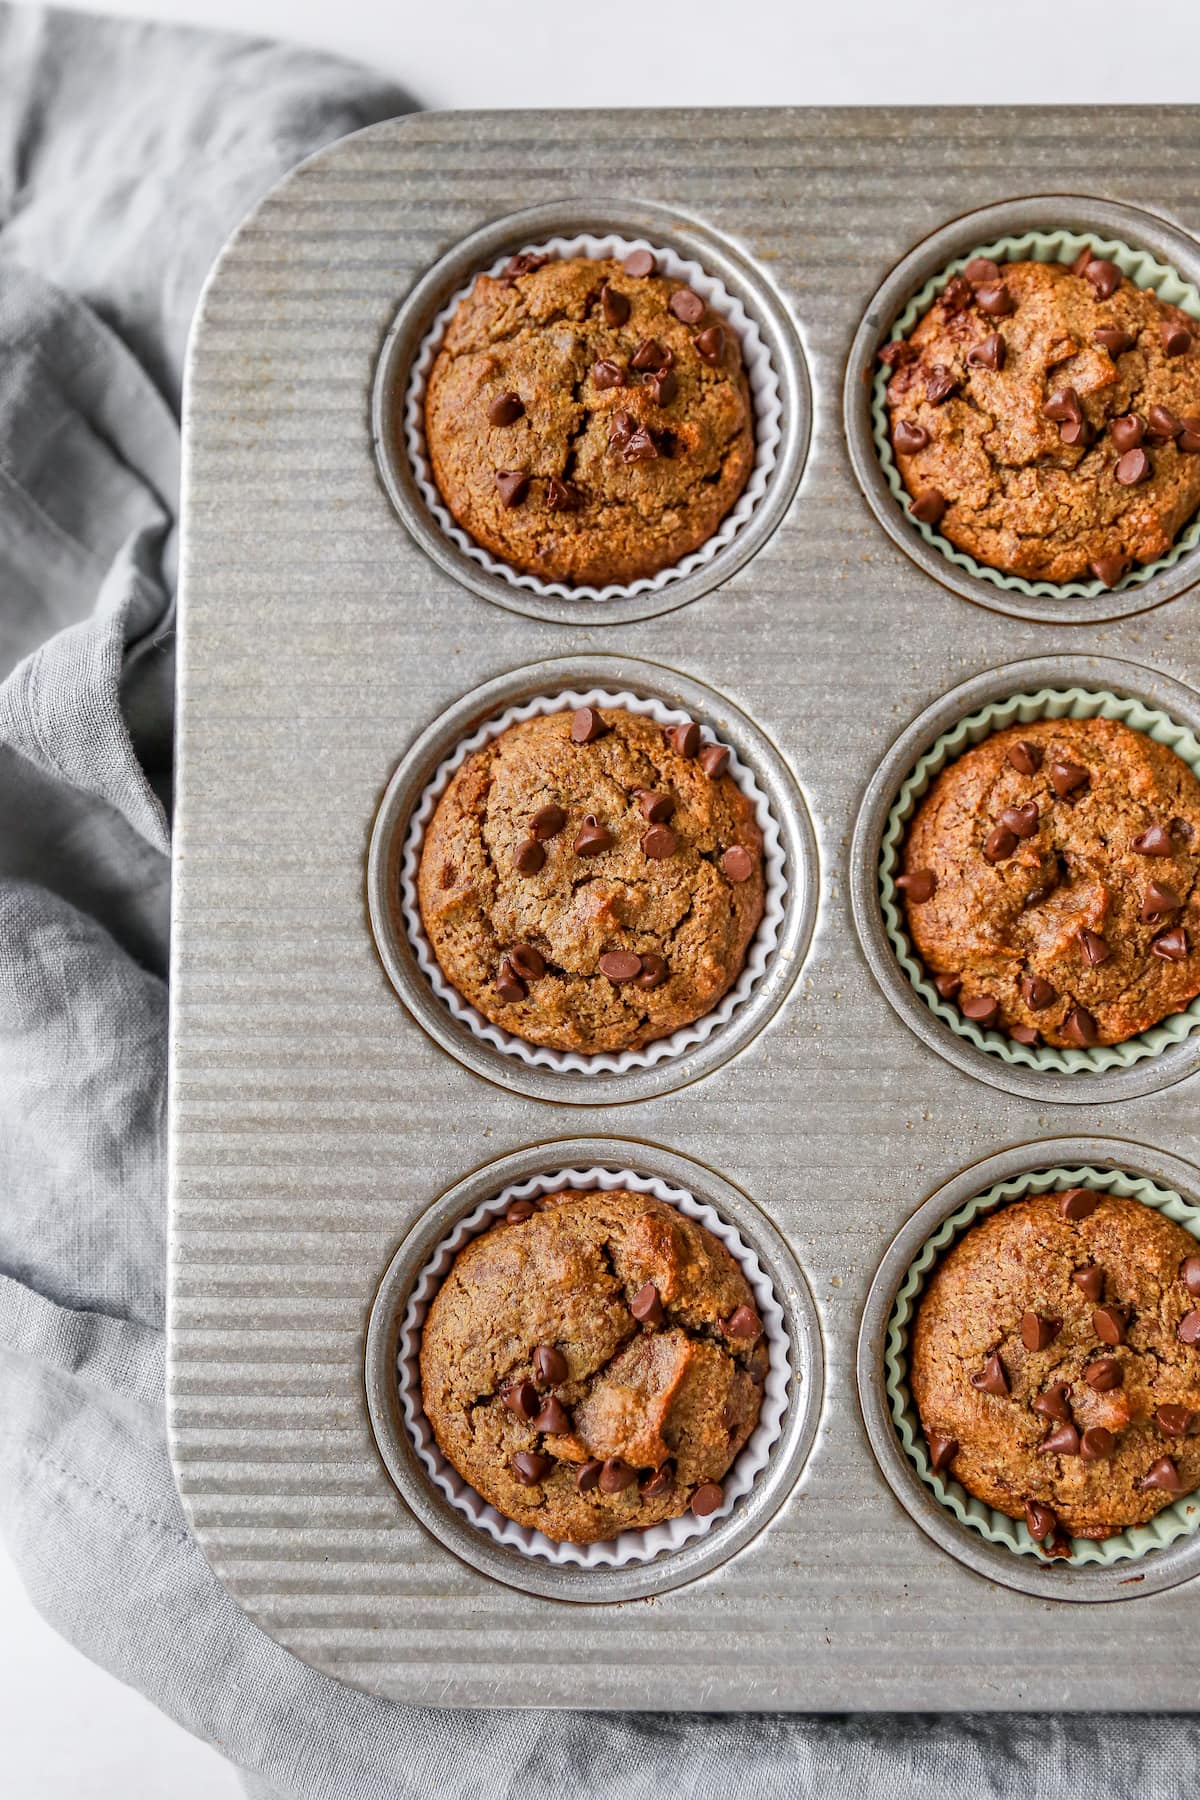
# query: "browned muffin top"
[[1046, 419], [1054, 1364], [588, 421], [591, 881], [593, 1364], [1050, 878]]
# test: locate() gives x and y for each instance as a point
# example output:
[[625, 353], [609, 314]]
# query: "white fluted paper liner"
[[631, 1547], [764, 394], [758, 956]]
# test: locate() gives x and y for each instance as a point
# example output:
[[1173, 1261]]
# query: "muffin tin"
[[331, 654]]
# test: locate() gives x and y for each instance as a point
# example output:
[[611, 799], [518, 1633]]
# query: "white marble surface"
[[476, 53]]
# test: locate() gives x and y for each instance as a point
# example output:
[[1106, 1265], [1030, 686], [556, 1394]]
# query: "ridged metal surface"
[[312, 1121]]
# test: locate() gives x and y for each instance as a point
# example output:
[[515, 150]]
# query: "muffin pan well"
[[314, 1121]]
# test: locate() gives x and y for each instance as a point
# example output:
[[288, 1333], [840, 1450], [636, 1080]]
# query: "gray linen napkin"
[[127, 152]]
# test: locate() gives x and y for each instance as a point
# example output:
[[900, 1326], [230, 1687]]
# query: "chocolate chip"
[[651, 355], [518, 1210], [530, 1468], [506, 409], [640, 448], [1095, 948], [1062, 1442], [948, 985], [1108, 570], [940, 383], [550, 1365], [654, 970], [1077, 1203], [607, 374], [928, 507], [1096, 1443], [1057, 1546], [738, 864], [1040, 1520], [1024, 1034], [1160, 898], [1189, 1328], [896, 353], [562, 496], [1104, 1375], [1156, 841], [1176, 340], [524, 263], [1089, 1281], [942, 1451], [1021, 820], [1174, 1421], [981, 271], [1127, 432], [1067, 777], [512, 485], [661, 386], [589, 1475], [593, 838], [1188, 440], [707, 1498], [744, 1323], [1189, 1274], [528, 857], [710, 344], [686, 306], [1037, 1332], [1025, 758], [919, 885], [1075, 431], [662, 1481], [616, 1476], [639, 263], [509, 985], [1104, 276], [956, 295], [523, 1399], [656, 809], [553, 1418], [1133, 467], [1080, 1028], [1113, 339], [909, 438], [989, 354], [1163, 424], [646, 1305], [981, 1009], [996, 300], [548, 821], [587, 725], [614, 305], [1063, 405], [1172, 946], [621, 428], [1037, 992], [659, 843], [1162, 1474], [1053, 1403], [714, 760], [620, 965], [991, 1379], [999, 843], [529, 963], [684, 739], [1108, 1323]]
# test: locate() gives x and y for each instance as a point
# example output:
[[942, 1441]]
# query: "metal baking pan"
[[320, 1119]]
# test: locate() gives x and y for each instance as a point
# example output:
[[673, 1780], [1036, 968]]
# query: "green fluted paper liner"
[[1035, 246], [1175, 1521], [1022, 709]]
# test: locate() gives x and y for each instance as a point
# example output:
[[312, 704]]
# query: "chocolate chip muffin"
[[1054, 1363], [1050, 882], [593, 1364], [592, 881], [588, 421], [1045, 418]]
